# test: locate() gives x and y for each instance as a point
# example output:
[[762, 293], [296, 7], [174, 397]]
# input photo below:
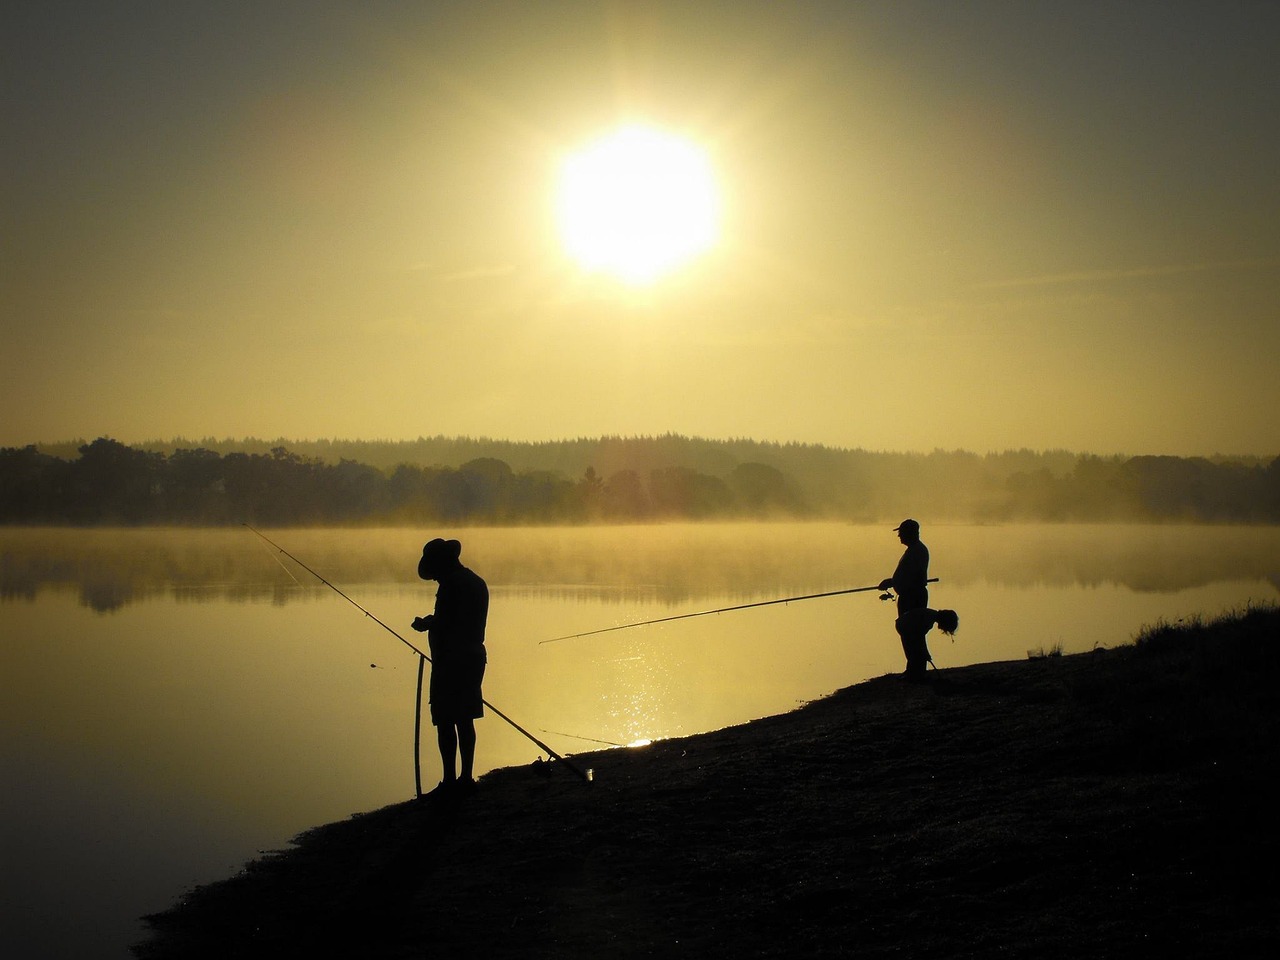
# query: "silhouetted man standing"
[[455, 634], [910, 581]]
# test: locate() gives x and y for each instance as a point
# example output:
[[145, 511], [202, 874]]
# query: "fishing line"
[[424, 658], [704, 613], [278, 561]]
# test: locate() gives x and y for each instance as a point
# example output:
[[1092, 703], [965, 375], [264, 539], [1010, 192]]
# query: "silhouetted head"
[[908, 531], [437, 557], [948, 622]]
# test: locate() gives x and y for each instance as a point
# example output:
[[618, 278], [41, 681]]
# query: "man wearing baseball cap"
[[910, 581]]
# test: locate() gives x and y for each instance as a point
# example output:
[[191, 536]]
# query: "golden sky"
[[979, 225]]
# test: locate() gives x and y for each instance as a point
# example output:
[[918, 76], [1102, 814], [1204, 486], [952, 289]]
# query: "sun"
[[637, 203]]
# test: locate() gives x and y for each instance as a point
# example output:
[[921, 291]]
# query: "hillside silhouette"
[[1106, 804]]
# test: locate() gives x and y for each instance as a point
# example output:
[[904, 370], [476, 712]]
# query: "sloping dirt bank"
[[1118, 803]]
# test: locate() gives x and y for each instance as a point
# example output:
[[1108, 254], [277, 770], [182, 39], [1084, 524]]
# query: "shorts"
[[455, 692]]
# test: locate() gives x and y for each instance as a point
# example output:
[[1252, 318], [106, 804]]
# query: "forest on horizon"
[[462, 480]]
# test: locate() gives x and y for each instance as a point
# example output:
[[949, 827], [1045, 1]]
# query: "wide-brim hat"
[[435, 552]]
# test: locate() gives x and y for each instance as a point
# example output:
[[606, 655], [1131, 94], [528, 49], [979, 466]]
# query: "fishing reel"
[[887, 596]]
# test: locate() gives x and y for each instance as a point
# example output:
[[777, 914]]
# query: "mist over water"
[[177, 700], [661, 563]]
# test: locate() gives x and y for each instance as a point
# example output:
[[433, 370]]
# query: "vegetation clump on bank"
[[1111, 803]]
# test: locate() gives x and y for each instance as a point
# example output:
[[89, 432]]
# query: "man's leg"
[[447, 738], [917, 655], [467, 746]]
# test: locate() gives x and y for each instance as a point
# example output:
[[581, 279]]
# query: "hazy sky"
[[981, 225]]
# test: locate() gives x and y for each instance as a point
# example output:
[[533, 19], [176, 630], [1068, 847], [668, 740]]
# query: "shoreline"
[[1116, 802]]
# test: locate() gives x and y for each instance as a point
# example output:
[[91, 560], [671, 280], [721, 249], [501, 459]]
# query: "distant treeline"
[[612, 479]]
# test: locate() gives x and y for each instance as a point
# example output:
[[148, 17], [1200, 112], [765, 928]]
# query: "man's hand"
[[886, 583], [422, 624]]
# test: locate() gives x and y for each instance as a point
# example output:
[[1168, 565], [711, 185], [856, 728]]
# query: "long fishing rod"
[[704, 613], [574, 736], [424, 658]]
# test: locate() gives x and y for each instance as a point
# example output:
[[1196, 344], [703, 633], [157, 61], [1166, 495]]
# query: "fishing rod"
[[574, 736], [704, 613], [423, 659]]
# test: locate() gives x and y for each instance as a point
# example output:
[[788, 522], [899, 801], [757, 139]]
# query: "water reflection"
[[669, 565]]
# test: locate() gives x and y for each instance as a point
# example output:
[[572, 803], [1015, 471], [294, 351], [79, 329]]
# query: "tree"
[[115, 484], [624, 497], [195, 489], [32, 485], [763, 489], [488, 481], [682, 492]]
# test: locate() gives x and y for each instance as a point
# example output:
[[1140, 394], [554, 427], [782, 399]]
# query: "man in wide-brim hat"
[[455, 634]]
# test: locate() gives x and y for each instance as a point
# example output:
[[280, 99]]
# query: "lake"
[[176, 701]]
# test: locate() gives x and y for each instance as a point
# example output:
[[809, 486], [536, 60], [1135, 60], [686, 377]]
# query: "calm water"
[[176, 701]]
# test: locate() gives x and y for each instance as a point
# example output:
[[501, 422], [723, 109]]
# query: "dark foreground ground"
[[1119, 803]]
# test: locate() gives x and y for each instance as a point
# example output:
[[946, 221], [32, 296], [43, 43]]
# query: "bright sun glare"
[[637, 203]]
